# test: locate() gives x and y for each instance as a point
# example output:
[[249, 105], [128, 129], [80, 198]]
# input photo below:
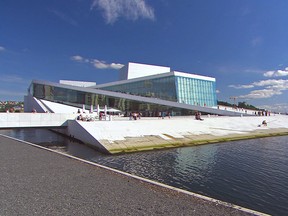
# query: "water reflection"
[[192, 161]]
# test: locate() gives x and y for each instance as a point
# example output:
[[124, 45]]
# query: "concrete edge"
[[201, 140], [146, 180]]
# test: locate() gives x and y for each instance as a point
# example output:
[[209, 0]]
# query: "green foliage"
[[223, 103], [243, 105], [13, 106]]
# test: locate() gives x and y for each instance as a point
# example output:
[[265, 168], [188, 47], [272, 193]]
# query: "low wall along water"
[[124, 135], [23, 120], [147, 134]]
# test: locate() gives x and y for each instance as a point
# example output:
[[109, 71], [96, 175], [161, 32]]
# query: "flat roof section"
[[78, 83], [194, 76]]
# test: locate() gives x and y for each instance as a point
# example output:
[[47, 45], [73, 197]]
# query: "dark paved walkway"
[[34, 181]]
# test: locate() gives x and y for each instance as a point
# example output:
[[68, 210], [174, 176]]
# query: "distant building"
[[148, 89]]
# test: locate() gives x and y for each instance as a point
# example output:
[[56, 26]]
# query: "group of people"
[[85, 118], [263, 113], [134, 115], [164, 114], [198, 116], [264, 123]]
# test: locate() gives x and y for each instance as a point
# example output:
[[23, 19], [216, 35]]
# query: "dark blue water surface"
[[249, 173]]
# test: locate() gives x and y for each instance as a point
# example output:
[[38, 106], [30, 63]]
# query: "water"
[[250, 173]]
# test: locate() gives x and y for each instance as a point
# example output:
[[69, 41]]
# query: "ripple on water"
[[249, 173]]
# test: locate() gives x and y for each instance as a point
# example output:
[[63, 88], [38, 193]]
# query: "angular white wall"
[[136, 70]]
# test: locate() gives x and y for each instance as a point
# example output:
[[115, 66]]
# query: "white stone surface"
[[14, 120], [77, 83], [180, 126], [61, 108]]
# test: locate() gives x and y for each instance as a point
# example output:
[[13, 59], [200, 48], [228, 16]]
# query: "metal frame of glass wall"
[[163, 88], [173, 88], [78, 98], [196, 91]]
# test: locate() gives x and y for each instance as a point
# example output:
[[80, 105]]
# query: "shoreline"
[[120, 135], [202, 140], [67, 170], [123, 135]]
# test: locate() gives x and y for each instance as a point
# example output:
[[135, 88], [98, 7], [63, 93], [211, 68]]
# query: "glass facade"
[[180, 89], [163, 88], [196, 92], [173, 88], [78, 98]]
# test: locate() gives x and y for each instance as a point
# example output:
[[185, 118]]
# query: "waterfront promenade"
[[126, 135], [36, 181]]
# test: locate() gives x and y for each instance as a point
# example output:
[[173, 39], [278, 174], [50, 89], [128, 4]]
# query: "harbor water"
[[250, 173]]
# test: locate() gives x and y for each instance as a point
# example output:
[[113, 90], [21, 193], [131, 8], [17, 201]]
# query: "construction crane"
[[234, 100]]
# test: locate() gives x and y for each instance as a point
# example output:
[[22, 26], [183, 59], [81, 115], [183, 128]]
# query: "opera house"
[[148, 89]]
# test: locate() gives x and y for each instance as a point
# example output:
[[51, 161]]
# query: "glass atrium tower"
[[165, 84]]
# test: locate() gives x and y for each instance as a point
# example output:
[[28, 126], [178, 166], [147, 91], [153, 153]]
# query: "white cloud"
[[103, 65], [282, 107], [241, 86], [130, 9], [253, 70], [273, 84], [271, 88], [77, 58], [262, 93], [97, 63], [2, 48], [64, 17], [277, 73], [257, 41], [12, 79], [116, 65]]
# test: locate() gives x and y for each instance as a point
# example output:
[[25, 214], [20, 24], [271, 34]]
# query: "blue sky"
[[242, 43]]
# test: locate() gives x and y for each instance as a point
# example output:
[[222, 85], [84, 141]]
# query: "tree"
[[244, 105]]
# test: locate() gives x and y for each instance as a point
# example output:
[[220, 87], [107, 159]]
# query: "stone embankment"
[[124, 135]]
